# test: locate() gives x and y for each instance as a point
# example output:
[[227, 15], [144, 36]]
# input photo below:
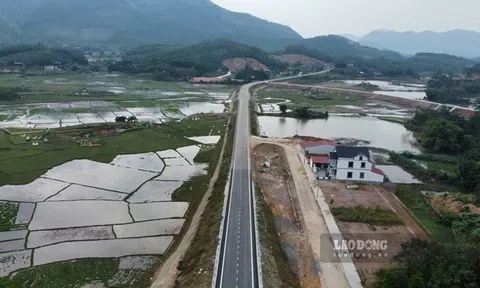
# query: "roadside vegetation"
[[371, 216]]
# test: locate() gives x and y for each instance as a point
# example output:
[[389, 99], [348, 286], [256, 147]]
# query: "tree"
[[283, 108], [442, 136], [469, 174]]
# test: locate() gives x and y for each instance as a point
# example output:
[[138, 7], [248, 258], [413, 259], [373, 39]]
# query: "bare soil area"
[[331, 274], [366, 195], [237, 64], [280, 194]]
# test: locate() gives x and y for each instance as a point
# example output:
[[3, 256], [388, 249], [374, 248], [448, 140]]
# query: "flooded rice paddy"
[[84, 209], [96, 98]]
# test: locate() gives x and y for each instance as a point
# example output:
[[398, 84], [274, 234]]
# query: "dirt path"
[[331, 274], [167, 273]]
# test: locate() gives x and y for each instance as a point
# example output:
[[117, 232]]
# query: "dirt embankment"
[[280, 194]]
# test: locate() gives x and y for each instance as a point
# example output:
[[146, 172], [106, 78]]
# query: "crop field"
[[117, 207], [68, 99]]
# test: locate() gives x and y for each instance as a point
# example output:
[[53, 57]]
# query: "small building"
[[354, 163], [321, 166]]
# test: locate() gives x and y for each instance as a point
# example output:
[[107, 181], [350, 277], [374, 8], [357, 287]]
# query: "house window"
[[363, 164], [362, 175], [350, 164], [361, 158], [349, 175]]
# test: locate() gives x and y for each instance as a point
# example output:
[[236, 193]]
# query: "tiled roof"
[[377, 171], [320, 159]]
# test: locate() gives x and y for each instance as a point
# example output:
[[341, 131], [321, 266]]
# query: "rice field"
[[123, 202], [78, 99], [84, 209]]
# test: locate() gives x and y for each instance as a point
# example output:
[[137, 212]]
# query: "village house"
[[329, 161], [353, 163]]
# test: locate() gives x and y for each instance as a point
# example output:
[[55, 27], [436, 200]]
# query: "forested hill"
[[123, 22], [184, 62]]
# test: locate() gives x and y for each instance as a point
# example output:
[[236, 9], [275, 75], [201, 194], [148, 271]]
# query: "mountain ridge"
[[457, 42], [141, 21]]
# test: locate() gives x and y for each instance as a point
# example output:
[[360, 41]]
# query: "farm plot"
[[84, 209]]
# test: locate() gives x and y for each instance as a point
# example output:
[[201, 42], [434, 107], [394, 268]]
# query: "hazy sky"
[[319, 17]]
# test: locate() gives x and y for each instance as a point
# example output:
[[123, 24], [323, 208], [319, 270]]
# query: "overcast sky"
[[319, 17]]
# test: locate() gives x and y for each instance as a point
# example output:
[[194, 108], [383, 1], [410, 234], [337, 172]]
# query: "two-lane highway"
[[238, 264]]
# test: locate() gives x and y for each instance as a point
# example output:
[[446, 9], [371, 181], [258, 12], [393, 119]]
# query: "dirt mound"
[[297, 58], [237, 64], [451, 204]]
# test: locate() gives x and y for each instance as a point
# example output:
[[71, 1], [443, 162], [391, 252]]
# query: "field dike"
[[197, 266]]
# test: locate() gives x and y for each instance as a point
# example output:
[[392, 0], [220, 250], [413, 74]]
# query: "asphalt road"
[[237, 267], [238, 262]]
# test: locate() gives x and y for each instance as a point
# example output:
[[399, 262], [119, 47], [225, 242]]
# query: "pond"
[[380, 134]]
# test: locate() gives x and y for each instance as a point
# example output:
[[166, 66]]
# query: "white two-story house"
[[354, 163]]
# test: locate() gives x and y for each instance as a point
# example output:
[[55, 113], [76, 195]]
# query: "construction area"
[[303, 217]]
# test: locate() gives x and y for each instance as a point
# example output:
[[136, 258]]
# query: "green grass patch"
[[23, 163], [372, 216], [4, 117], [272, 250], [8, 212], [449, 168], [63, 275], [412, 197]]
